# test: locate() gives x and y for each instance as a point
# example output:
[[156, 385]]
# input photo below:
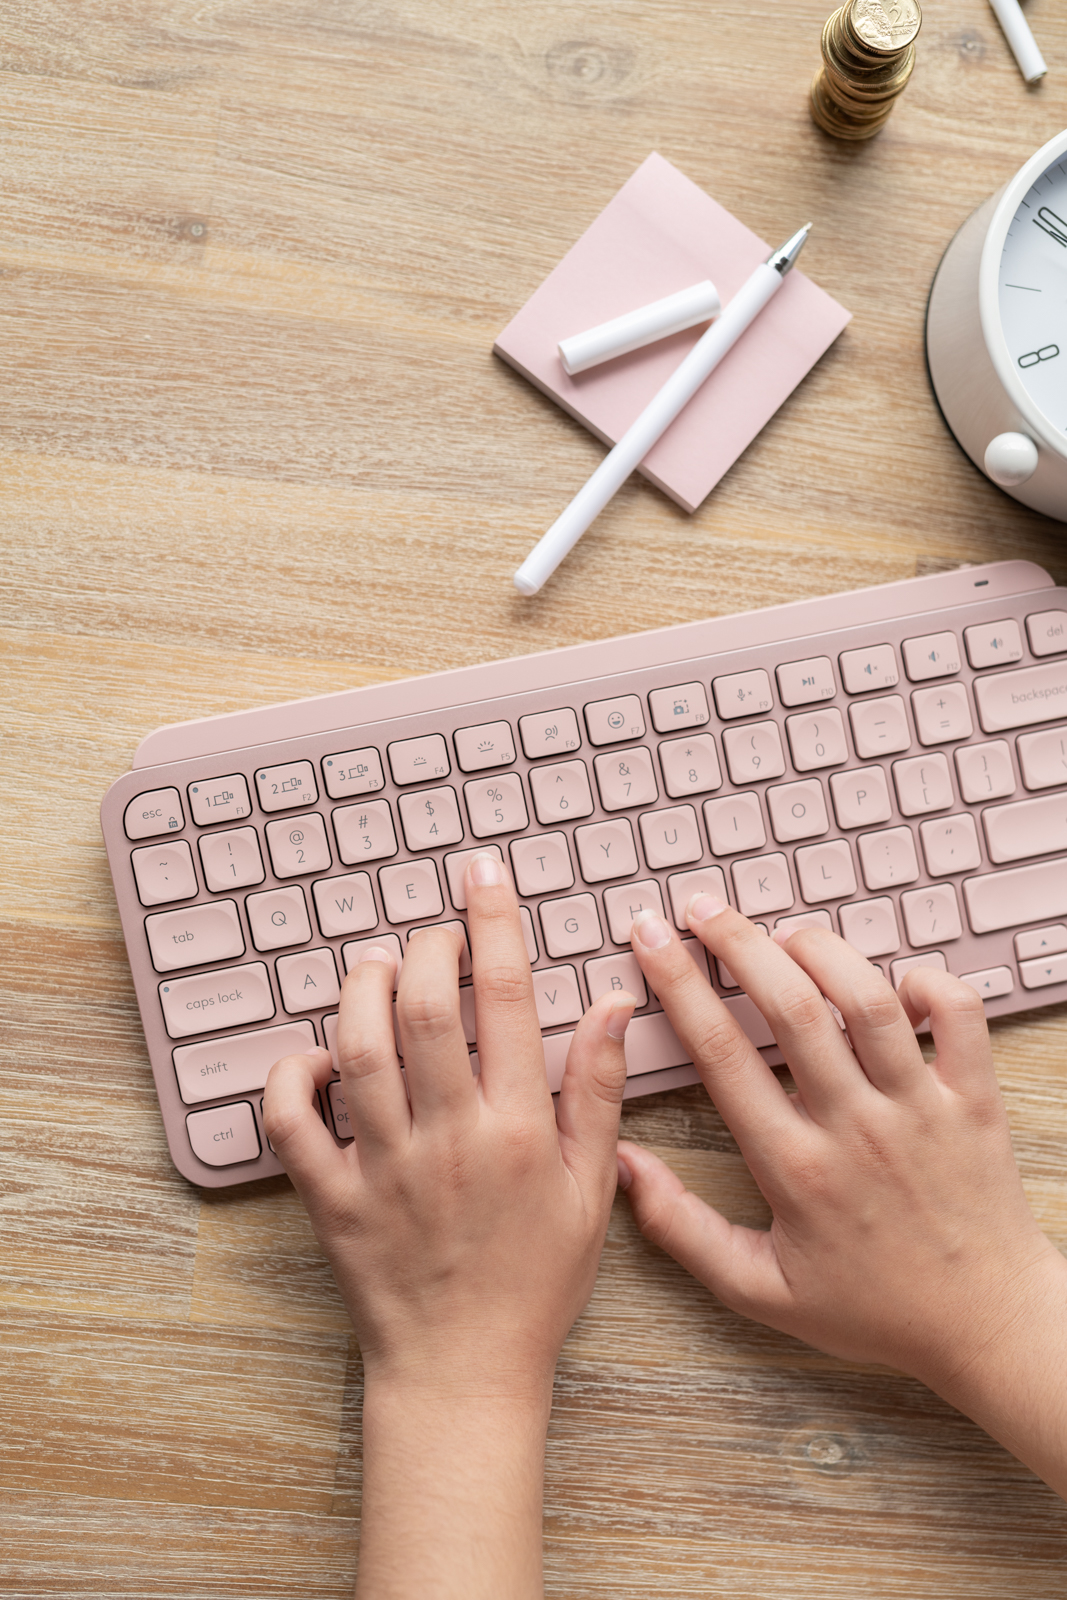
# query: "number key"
[[626, 779], [292, 784], [561, 791], [430, 818], [690, 766], [298, 846], [496, 805], [364, 833], [231, 860]]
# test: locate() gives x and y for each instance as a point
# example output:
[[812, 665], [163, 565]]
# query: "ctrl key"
[[224, 1136]]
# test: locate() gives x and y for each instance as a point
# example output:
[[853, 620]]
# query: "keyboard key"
[[308, 981], [825, 871], [610, 721], [278, 917], [228, 997], [292, 784], [754, 752], [870, 926], [351, 952], [985, 771], [742, 694], [557, 996], [491, 744], [1042, 758], [690, 766], [154, 812], [872, 668], [671, 838], [219, 800], [430, 818], [239, 1063], [622, 905], [528, 933], [353, 772], [934, 655], [1026, 828], [993, 644], [165, 872], [929, 958], [797, 810], [345, 904], [231, 860], [879, 727], [626, 779], [411, 891], [561, 792], [950, 845], [614, 975], [682, 886], [198, 934], [990, 982], [496, 806], [364, 833], [342, 1122], [542, 863], [456, 866], [570, 926], [461, 928], [1047, 631], [861, 797], [549, 733], [802, 683], [762, 885], [804, 919], [415, 760], [225, 1135], [298, 846], [1042, 974], [683, 707], [817, 739], [942, 714], [931, 915], [1019, 699], [1041, 942], [606, 850], [888, 858], [923, 784], [734, 823], [1022, 894], [467, 1013]]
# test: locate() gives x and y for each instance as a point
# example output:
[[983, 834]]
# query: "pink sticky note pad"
[[660, 234]]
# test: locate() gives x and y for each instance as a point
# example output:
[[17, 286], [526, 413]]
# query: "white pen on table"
[[1023, 44], [658, 415], [673, 314]]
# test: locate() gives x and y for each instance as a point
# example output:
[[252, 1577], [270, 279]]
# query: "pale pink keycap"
[[932, 655], [165, 872], [298, 846], [985, 771], [291, 784], [1042, 974], [1020, 698], [467, 1018], [1047, 631], [557, 996], [874, 667], [415, 760], [615, 974], [1041, 942], [825, 871], [697, 955], [155, 812], [430, 818], [490, 744], [1026, 828], [556, 1046], [238, 1063], [861, 797], [742, 694], [652, 1044], [225, 1135], [932, 915], [682, 886], [549, 733], [529, 939], [888, 858], [496, 805], [461, 929], [623, 903], [990, 982], [750, 1019], [611, 721], [1042, 758], [797, 810], [942, 714], [754, 752], [364, 832], [570, 926], [950, 845], [342, 1122], [802, 683], [879, 727], [411, 891], [352, 951], [228, 997], [308, 981], [762, 885], [870, 926], [690, 766], [191, 937], [930, 958], [923, 784], [606, 850], [231, 860], [219, 800], [1022, 894], [626, 779], [671, 838], [817, 739], [804, 919], [734, 823], [456, 867], [542, 863], [685, 706], [992, 644], [345, 904], [353, 772], [278, 917], [561, 791]]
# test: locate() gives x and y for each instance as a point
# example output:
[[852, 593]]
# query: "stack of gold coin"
[[868, 52]]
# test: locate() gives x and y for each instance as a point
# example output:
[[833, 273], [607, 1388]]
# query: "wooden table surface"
[[253, 445]]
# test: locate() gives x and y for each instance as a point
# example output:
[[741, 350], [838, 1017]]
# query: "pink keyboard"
[[890, 763]]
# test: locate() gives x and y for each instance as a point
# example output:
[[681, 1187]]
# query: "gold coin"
[[864, 90], [885, 25], [839, 124]]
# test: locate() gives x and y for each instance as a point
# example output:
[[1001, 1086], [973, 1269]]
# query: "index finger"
[[510, 1053]]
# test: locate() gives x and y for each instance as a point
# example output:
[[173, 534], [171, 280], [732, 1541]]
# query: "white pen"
[[657, 416], [1023, 44]]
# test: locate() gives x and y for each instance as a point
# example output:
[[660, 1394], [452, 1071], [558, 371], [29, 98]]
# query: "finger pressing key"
[[366, 1055], [510, 1053], [436, 1060]]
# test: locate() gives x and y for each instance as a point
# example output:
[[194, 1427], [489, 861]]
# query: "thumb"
[[587, 1117]]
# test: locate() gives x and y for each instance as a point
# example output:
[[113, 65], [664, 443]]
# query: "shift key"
[[226, 998]]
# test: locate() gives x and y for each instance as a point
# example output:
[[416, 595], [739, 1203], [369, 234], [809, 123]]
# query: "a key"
[[342, 1122], [887, 858], [797, 810], [231, 860], [351, 952], [198, 934], [754, 752], [685, 706], [557, 996], [490, 744], [219, 800], [549, 733], [993, 644], [561, 792], [415, 760], [308, 981], [690, 766], [1021, 698], [165, 872], [929, 958], [542, 863], [430, 818], [950, 845], [153, 813], [239, 1063], [606, 850], [456, 866], [228, 997], [985, 771], [364, 832], [923, 784], [879, 727], [870, 926], [1047, 632], [1036, 942], [742, 694], [804, 919], [570, 926], [411, 891], [682, 886], [762, 884], [932, 915], [345, 904], [225, 1136], [623, 903], [942, 714], [298, 846], [278, 917], [825, 871], [1042, 759], [671, 838], [817, 739], [861, 797], [611, 721], [990, 982], [616, 975], [872, 668], [496, 805], [1021, 894], [1043, 974], [626, 779], [934, 655], [1026, 828], [353, 772], [802, 683], [734, 823], [468, 1014], [283, 787]]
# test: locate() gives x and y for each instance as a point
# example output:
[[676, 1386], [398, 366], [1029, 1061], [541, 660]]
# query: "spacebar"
[[1025, 894], [652, 1044]]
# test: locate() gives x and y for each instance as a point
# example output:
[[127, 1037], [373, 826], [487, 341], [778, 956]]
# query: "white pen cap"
[[700, 303]]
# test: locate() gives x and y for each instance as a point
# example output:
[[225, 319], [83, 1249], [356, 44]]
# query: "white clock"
[[996, 333]]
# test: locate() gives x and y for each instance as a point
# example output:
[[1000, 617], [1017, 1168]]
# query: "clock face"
[[1033, 293]]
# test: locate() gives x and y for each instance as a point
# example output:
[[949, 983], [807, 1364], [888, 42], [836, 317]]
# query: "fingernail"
[[651, 929], [619, 1017], [376, 953], [486, 870], [626, 1177], [703, 906], [780, 935]]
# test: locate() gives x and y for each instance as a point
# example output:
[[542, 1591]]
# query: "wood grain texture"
[[253, 445]]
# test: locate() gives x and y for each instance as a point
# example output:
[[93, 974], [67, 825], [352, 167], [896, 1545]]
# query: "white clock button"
[[1010, 459]]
